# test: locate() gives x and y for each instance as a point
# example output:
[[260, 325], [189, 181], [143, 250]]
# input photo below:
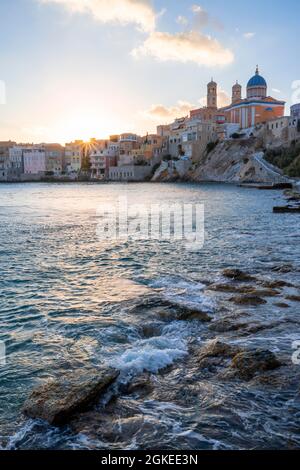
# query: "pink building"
[[34, 161]]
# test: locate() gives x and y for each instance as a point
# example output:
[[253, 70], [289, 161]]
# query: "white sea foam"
[[23, 431], [184, 293], [155, 353]]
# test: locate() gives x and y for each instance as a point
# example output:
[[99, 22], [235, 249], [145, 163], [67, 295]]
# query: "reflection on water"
[[69, 300]]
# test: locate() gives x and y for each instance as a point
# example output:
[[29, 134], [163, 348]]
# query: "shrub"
[[211, 146]]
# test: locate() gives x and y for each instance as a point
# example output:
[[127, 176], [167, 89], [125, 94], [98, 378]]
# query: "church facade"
[[247, 112]]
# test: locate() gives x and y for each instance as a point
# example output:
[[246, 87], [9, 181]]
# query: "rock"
[[141, 385], [238, 275], [276, 284], [232, 288], [176, 311], [264, 292], [249, 363], [293, 298], [281, 305], [223, 288], [283, 269], [216, 348], [225, 325], [286, 209], [149, 330], [239, 289], [247, 300], [58, 399], [191, 314]]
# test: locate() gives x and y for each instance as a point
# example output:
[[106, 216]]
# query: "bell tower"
[[212, 101], [236, 93]]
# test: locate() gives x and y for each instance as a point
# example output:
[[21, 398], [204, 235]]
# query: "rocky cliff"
[[233, 161]]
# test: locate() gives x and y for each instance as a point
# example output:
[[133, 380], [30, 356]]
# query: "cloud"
[[202, 19], [223, 98], [276, 90], [249, 35], [184, 47], [159, 112], [139, 12], [182, 20]]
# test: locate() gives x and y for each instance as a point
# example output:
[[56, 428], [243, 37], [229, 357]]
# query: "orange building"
[[257, 108]]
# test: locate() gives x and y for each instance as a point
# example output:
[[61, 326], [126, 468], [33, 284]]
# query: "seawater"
[[70, 299]]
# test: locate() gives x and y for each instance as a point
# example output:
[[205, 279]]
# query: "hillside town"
[[180, 145]]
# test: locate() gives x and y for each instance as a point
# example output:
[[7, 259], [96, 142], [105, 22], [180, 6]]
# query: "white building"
[[34, 160]]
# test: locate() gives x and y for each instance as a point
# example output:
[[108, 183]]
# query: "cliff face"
[[234, 161]]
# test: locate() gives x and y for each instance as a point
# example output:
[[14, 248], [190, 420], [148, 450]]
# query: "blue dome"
[[257, 81]]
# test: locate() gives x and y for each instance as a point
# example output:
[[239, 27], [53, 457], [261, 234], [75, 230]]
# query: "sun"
[[84, 126]]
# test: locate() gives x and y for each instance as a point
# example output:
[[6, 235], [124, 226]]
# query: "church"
[[257, 108]]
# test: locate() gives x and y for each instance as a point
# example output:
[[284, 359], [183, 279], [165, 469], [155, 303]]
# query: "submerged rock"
[[248, 363], [276, 284], [293, 298], [191, 314], [264, 292], [283, 269], [286, 209], [223, 288], [182, 312], [247, 300], [150, 329], [58, 399], [242, 289], [238, 275], [141, 386], [281, 305], [225, 325]]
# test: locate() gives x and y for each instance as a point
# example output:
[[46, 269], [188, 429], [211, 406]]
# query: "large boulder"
[[248, 363], [58, 399]]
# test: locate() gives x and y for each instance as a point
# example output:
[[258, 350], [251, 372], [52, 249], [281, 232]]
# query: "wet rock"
[[141, 385], [150, 330], [238, 275], [293, 298], [191, 314], [259, 292], [226, 325], [247, 300], [281, 305], [283, 269], [223, 288], [216, 348], [58, 399], [248, 363], [215, 356], [276, 284], [286, 209]]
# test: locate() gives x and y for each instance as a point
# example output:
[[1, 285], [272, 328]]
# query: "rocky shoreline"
[[99, 403]]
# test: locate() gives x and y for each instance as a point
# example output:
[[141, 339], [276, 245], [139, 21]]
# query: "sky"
[[76, 69]]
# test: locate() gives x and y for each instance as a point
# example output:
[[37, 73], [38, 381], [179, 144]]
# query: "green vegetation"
[[211, 146], [155, 168], [288, 159]]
